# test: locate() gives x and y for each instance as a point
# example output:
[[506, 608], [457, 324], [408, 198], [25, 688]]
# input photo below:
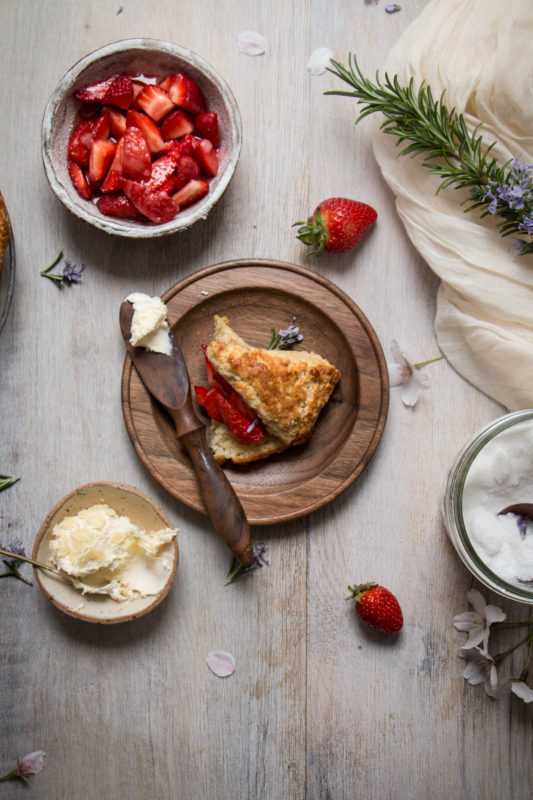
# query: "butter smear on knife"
[[104, 553], [149, 326]]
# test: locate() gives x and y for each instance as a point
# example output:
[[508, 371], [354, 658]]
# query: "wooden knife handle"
[[220, 500]]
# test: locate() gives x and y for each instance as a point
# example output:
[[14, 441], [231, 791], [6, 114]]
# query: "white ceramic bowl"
[[126, 501], [149, 57]]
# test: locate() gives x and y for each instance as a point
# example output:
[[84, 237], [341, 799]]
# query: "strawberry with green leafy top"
[[377, 607], [336, 226]]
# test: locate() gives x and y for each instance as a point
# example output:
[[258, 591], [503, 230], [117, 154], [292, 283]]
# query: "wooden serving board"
[[257, 295]]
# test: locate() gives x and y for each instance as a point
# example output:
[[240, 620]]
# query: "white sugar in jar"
[[493, 471]]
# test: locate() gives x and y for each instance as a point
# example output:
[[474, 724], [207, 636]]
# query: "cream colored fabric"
[[479, 51]]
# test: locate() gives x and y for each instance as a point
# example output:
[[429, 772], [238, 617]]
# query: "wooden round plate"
[[257, 295]]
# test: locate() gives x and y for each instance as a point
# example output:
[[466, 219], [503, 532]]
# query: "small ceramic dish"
[[126, 501], [149, 57]]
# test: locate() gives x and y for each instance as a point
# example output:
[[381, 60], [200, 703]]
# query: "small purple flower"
[[237, 569], [72, 272], [284, 338], [14, 547]]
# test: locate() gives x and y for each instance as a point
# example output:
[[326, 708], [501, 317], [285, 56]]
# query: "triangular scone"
[[287, 389]]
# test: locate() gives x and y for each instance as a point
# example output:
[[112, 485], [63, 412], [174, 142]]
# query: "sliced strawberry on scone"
[[176, 125], [77, 176], [237, 423], [156, 205], [152, 134], [102, 152], [208, 399], [185, 93], [207, 126], [112, 180], [154, 102], [206, 155], [95, 92], [120, 92], [136, 159], [117, 205], [191, 192]]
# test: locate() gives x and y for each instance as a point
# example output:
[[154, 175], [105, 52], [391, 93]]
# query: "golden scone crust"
[[4, 228], [287, 389]]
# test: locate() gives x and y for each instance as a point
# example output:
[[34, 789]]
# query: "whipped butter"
[[149, 326], [104, 553]]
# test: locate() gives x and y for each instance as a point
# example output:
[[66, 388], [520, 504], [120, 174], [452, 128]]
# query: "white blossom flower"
[[405, 374], [478, 621], [221, 663], [522, 690], [251, 43], [480, 667]]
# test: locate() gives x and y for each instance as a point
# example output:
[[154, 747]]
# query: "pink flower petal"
[[251, 43], [221, 663]]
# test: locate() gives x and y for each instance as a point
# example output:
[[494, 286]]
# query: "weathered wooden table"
[[318, 706]]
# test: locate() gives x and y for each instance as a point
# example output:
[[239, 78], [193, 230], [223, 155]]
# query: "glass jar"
[[453, 507]]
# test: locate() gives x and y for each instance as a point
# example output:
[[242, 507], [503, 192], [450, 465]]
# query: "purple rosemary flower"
[[237, 569], [285, 337], [71, 272], [14, 547], [31, 764]]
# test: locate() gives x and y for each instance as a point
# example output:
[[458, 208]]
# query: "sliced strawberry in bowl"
[[207, 127], [176, 125], [102, 152], [155, 102], [154, 204], [112, 180], [79, 145], [117, 205], [164, 168], [136, 159], [77, 176], [187, 170], [117, 121], [191, 193], [152, 134], [206, 155], [120, 92], [185, 93], [95, 92]]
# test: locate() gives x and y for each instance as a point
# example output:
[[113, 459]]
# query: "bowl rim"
[[121, 487], [108, 225], [452, 506]]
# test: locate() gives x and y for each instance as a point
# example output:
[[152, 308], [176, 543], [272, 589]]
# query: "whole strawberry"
[[376, 606], [337, 225]]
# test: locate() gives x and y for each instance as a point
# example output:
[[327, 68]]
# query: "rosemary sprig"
[[459, 157]]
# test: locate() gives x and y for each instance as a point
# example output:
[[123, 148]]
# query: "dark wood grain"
[[257, 295]]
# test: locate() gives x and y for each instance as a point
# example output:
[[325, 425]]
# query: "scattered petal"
[[392, 7], [251, 43], [522, 690], [404, 373], [221, 663], [31, 763], [319, 60]]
